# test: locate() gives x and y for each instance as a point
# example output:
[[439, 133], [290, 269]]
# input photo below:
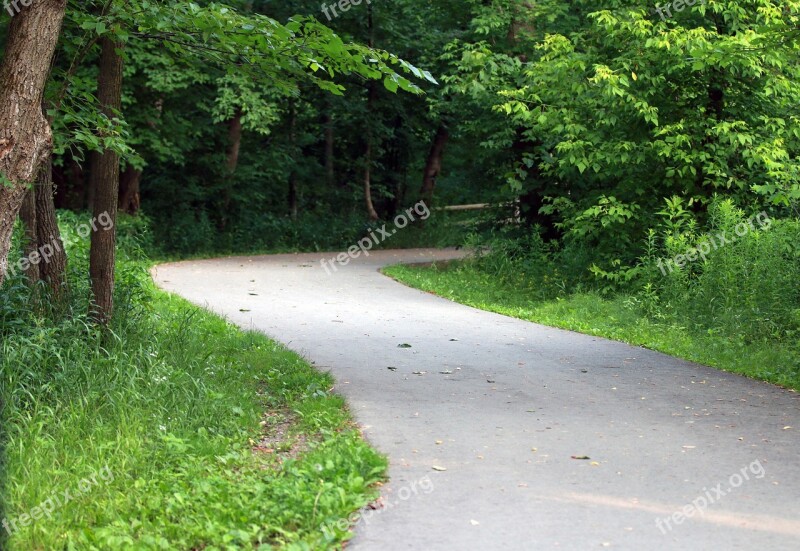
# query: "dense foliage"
[[615, 141], [196, 433]]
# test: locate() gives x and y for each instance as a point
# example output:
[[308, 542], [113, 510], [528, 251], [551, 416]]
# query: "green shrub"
[[171, 403]]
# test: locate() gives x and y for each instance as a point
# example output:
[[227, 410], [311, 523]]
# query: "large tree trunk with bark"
[[105, 180], [54, 271], [25, 135], [27, 214], [433, 164]]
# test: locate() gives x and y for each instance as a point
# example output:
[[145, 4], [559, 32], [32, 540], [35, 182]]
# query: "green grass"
[[177, 431], [620, 318], [309, 233]]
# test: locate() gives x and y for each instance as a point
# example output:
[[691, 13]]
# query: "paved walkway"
[[505, 434]]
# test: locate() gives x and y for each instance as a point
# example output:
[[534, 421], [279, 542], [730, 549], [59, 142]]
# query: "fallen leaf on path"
[[392, 368], [581, 457], [438, 468], [244, 310], [446, 372], [787, 428], [404, 345], [253, 294], [490, 381], [439, 442], [419, 372]]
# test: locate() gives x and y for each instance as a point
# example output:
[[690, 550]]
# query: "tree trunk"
[[54, 271], [295, 160], [433, 164], [25, 135], [371, 93], [234, 145], [91, 186], [130, 200], [330, 171], [105, 177], [371, 212], [27, 214]]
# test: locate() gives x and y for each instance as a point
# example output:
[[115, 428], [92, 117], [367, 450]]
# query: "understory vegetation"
[[605, 147], [198, 435], [738, 309]]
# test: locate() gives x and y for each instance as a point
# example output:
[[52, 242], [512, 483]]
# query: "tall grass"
[[739, 309], [196, 434]]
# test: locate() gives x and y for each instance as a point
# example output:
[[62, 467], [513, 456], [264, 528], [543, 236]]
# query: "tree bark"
[[25, 135], [130, 200], [54, 271], [105, 177], [433, 164], [27, 214]]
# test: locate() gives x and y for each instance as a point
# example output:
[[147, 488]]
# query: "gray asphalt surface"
[[506, 406]]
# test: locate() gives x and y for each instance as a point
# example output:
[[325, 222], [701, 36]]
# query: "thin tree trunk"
[[91, 186], [433, 164], [295, 160], [371, 212], [54, 271], [129, 193], [27, 214], [105, 175], [25, 135], [330, 171], [234, 145], [371, 93]]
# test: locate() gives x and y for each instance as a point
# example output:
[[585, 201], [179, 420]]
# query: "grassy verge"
[[620, 318], [179, 431]]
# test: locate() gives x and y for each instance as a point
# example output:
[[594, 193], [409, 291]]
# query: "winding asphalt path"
[[487, 439]]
